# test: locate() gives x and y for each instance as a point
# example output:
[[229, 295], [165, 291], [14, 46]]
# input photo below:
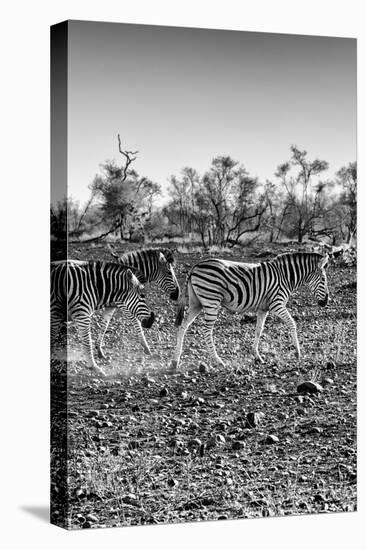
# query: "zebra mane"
[[107, 263], [145, 261], [312, 257], [149, 252]]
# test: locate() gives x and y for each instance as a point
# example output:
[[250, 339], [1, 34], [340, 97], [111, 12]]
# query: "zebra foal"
[[240, 287], [78, 289], [152, 265]]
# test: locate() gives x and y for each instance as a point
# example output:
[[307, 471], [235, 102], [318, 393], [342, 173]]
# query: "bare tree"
[[304, 201], [236, 206], [347, 178], [117, 189]]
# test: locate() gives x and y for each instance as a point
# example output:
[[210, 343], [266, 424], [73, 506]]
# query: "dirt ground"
[[206, 443]]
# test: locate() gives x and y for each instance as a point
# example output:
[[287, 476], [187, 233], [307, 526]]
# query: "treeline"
[[224, 206]]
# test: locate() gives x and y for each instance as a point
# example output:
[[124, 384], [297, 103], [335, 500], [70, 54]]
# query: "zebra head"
[[318, 282], [135, 300], [166, 278]]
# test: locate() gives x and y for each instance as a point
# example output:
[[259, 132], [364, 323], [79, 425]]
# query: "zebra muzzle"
[[323, 302], [174, 295], [148, 321]]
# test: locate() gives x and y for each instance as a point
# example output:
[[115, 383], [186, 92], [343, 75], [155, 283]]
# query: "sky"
[[183, 96]]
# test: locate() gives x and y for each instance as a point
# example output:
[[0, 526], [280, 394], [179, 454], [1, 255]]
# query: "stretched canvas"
[[203, 274]]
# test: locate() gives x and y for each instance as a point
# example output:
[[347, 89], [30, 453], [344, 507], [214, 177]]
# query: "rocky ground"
[[244, 440]]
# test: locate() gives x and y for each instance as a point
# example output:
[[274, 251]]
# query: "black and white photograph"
[[203, 275]]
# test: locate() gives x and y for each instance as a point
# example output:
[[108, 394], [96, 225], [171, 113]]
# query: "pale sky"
[[182, 96]]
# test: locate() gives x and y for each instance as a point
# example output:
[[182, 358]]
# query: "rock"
[[172, 482], [147, 381], [327, 381], [254, 419], [220, 439], [331, 365], [130, 499], [202, 368], [199, 400], [272, 439], [315, 430], [163, 392], [309, 387], [194, 443], [238, 445]]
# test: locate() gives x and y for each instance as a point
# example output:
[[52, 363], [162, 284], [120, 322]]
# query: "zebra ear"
[[168, 255], [162, 258]]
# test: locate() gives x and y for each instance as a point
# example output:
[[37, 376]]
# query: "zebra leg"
[[139, 331], [261, 319], [83, 326], [193, 311], [106, 319], [287, 319], [210, 320]]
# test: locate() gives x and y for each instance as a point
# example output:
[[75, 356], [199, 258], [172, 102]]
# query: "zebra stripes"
[[151, 265], [78, 289], [240, 287]]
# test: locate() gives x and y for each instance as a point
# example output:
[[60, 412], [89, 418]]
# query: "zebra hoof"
[[173, 367], [101, 354], [147, 351], [258, 360], [99, 372]]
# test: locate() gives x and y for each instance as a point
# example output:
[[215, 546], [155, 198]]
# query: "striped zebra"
[[78, 289], [239, 287], [151, 265]]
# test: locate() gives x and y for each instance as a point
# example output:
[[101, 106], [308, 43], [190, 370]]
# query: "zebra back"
[[147, 262], [94, 283]]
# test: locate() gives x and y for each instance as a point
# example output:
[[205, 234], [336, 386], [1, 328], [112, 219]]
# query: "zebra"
[[79, 288], [239, 287], [152, 265]]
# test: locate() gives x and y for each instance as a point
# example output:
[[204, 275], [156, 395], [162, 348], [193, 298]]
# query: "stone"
[[309, 387]]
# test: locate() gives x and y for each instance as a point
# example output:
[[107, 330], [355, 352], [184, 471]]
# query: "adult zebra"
[[78, 289], [240, 287], [152, 265]]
